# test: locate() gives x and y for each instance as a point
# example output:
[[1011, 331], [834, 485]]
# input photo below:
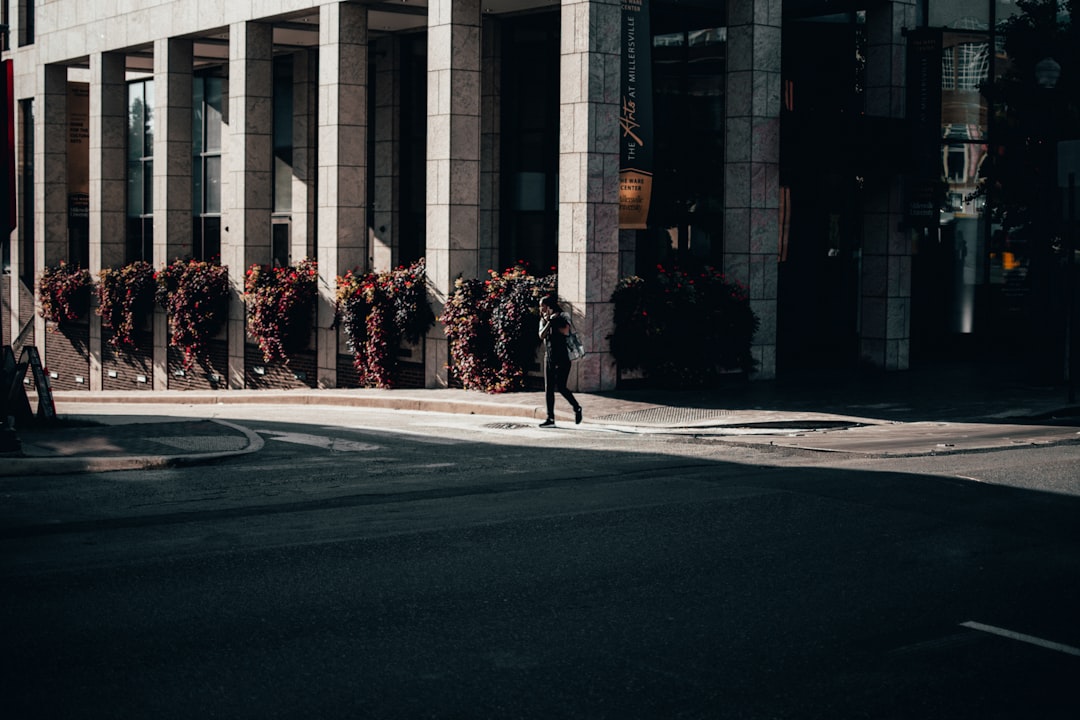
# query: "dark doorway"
[[689, 64], [529, 222], [413, 158], [821, 180]]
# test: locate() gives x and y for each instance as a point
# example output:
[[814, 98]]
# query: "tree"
[[1036, 104], [1031, 117]]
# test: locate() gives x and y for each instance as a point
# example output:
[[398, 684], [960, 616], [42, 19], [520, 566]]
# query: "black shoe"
[[577, 415], [548, 423]]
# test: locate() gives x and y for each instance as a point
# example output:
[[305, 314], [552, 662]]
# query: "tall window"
[[140, 171], [26, 22], [5, 19], [283, 159], [964, 67], [530, 142], [26, 191], [967, 63], [207, 99], [413, 129], [689, 66]]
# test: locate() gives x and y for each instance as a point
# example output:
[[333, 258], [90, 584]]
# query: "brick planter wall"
[[299, 371], [211, 373], [67, 355], [128, 369]]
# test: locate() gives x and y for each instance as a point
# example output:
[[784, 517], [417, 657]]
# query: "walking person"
[[554, 327]]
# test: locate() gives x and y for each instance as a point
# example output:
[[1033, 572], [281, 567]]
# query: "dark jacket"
[[555, 352]]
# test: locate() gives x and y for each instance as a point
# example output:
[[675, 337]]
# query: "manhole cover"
[[506, 426]]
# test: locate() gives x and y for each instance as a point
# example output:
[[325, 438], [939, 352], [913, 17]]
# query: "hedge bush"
[[195, 295], [683, 328], [492, 328], [378, 311], [64, 292], [125, 300], [281, 307]]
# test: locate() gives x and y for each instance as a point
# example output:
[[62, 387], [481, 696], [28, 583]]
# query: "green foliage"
[[195, 295], [125, 299], [64, 292], [378, 311], [681, 328], [492, 328], [280, 306]]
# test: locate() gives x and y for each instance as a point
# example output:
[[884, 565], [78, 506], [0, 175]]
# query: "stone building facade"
[[469, 132]]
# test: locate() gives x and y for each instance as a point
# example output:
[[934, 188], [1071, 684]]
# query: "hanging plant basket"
[[280, 307], [125, 300], [195, 295], [379, 311], [64, 293]]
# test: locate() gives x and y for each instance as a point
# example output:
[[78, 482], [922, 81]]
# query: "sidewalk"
[[898, 414]]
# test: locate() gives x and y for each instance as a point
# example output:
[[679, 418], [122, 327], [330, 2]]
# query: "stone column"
[[385, 245], [342, 211], [453, 161], [172, 174], [589, 179], [50, 180], [247, 199], [108, 140], [752, 164], [885, 340]]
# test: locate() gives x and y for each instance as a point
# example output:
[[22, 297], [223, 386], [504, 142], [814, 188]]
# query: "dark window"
[[689, 69], [26, 22], [206, 105], [280, 232], [283, 161], [283, 134], [26, 222], [140, 171], [529, 147], [413, 148], [5, 19]]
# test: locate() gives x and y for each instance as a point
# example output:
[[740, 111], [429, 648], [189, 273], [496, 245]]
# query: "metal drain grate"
[[506, 426], [203, 443], [665, 416]]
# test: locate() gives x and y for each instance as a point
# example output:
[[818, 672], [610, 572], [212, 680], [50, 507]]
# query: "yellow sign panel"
[[635, 189]]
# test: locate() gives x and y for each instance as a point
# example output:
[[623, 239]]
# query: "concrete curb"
[[469, 406], [13, 466], [337, 399]]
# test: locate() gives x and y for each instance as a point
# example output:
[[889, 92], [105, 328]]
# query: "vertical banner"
[[635, 117], [78, 155], [924, 46], [78, 173]]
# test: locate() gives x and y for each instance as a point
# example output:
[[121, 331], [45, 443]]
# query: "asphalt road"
[[394, 565]]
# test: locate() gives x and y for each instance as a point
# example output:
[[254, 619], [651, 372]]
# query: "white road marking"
[[1049, 645], [328, 443]]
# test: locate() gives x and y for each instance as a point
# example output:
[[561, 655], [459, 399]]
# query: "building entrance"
[[821, 182]]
